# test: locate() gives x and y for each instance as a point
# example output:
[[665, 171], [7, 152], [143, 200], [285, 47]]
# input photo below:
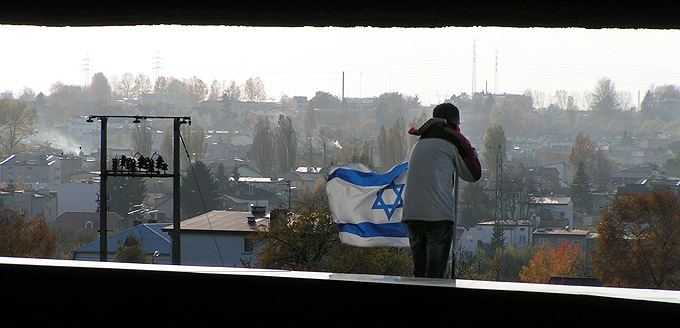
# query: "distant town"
[[262, 152]]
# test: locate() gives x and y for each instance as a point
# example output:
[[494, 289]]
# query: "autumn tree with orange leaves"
[[638, 243], [566, 260], [24, 236]]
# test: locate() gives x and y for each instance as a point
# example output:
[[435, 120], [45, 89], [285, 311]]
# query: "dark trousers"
[[430, 245]]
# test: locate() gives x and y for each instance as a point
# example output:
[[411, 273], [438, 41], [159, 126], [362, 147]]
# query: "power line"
[[200, 195]]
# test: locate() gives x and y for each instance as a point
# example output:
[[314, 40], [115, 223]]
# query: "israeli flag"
[[367, 206]]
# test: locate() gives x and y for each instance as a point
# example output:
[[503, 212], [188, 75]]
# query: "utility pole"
[[499, 185], [103, 197], [142, 167], [176, 242]]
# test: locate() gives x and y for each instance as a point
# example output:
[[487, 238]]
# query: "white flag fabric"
[[367, 206]]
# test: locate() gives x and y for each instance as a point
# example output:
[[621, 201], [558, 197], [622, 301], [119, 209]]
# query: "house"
[[516, 233], [76, 196], [631, 175], [220, 237], [77, 220], [40, 203], [156, 244], [43, 170], [560, 209], [563, 169], [555, 237]]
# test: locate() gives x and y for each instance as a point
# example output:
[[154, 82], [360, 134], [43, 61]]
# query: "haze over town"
[[431, 63]]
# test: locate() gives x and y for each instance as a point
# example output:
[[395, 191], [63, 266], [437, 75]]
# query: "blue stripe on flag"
[[368, 179], [367, 229]]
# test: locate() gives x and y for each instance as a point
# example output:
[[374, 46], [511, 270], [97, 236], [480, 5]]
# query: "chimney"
[[258, 210]]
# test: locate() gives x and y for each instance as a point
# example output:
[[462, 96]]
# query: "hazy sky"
[[431, 63]]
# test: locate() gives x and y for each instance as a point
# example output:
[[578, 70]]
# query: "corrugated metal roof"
[[224, 221]]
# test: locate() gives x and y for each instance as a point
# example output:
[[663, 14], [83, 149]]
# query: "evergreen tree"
[[263, 148], [123, 193], [497, 237], [475, 205], [286, 144], [199, 192], [580, 189]]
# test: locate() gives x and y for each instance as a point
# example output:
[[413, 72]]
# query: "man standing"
[[439, 153]]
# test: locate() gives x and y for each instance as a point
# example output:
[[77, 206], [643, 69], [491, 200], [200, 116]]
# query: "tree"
[[358, 153], [638, 243], [582, 150], [23, 236], [124, 193], [216, 91], [131, 251], [99, 90], [286, 144], [325, 138], [325, 100], [391, 106], [309, 123], [601, 169], [604, 98], [124, 85], [199, 192], [262, 150], [193, 138], [475, 204], [493, 139], [253, 90], [196, 90], [68, 239], [653, 105], [307, 240], [142, 85], [598, 165], [383, 146], [17, 122], [566, 260], [580, 189], [392, 145], [233, 92], [397, 139], [141, 139]]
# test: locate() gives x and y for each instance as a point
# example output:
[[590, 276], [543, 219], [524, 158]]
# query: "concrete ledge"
[[165, 293]]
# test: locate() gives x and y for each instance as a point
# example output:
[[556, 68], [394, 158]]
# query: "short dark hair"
[[447, 111]]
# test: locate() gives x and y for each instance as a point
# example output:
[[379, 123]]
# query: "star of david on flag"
[[397, 203], [367, 206]]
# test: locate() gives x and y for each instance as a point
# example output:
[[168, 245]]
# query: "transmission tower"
[[499, 184], [86, 69], [495, 91], [499, 229], [474, 66], [157, 65], [499, 216]]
